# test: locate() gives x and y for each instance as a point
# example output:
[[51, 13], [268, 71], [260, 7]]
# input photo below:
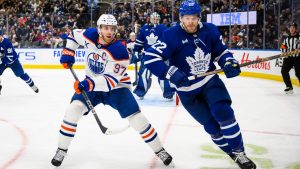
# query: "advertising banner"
[[49, 58], [226, 19]]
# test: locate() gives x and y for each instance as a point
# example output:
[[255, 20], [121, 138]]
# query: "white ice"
[[29, 125]]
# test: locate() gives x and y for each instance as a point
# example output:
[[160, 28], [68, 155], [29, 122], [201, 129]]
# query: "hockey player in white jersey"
[[148, 35], [106, 82], [192, 48]]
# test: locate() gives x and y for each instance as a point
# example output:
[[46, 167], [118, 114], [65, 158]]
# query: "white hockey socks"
[[69, 124], [139, 122]]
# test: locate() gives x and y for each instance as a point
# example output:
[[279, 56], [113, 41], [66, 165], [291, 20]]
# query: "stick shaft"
[[89, 103], [297, 51]]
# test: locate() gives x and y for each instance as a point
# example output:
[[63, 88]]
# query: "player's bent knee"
[[138, 121], [222, 111], [212, 127], [75, 111]]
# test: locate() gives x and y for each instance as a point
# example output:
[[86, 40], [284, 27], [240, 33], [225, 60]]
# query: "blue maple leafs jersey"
[[7, 52], [148, 35], [191, 53]]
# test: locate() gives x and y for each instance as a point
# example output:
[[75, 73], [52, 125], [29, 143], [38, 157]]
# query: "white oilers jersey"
[[105, 64]]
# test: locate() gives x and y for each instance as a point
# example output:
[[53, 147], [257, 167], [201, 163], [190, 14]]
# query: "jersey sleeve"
[[75, 39], [219, 50], [157, 54], [9, 53]]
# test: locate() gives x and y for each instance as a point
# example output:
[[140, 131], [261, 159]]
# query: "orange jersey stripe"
[[111, 82], [124, 79]]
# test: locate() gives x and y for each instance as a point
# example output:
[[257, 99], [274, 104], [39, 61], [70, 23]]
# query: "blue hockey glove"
[[68, 58], [231, 68], [86, 85], [7, 61], [177, 77], [135, 58]]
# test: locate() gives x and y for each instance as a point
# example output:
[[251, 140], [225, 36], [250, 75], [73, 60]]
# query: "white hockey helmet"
[[132, 34], [154, 16], [107, 19]]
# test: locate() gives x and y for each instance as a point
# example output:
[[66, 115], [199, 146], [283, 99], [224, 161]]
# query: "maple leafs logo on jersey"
[[151, 39], [200, 62]]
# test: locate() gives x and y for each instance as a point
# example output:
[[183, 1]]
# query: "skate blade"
[[171, 165], [289, 92], [168, 100]]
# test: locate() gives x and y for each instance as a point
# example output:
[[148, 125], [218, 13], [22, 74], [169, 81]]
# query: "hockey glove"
[[177, 77], [7, 61], [231, 68], [68, 58], [86, 85]]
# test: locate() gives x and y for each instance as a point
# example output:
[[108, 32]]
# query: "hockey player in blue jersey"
[[148, 35], [106, 82], [192, 47], [10, 59]]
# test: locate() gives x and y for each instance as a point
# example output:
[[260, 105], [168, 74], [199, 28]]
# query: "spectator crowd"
[[39, 23]]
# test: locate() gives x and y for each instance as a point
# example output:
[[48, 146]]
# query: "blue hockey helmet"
[[189, 7]]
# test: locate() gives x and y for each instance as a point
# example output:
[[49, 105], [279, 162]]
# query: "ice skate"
[[58, 157], [289, 90], [35, 89], [139, 92], [168, 98], [242, 160], [165, 157]]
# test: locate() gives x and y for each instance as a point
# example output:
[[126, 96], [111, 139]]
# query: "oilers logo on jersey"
[[97, 62], [200, 62]]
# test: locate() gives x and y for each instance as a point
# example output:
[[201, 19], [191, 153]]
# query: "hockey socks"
[[29, 82], [139, 122], [232, 133]]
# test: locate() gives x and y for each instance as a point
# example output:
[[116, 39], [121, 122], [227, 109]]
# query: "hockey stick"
[[297, 51], [136, 74], [135, 71], [104, 129]]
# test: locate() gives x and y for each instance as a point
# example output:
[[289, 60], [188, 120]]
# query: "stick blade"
[[116, 131]]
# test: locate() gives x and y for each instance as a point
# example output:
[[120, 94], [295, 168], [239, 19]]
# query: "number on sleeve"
[[119, 69], [159, 45]]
